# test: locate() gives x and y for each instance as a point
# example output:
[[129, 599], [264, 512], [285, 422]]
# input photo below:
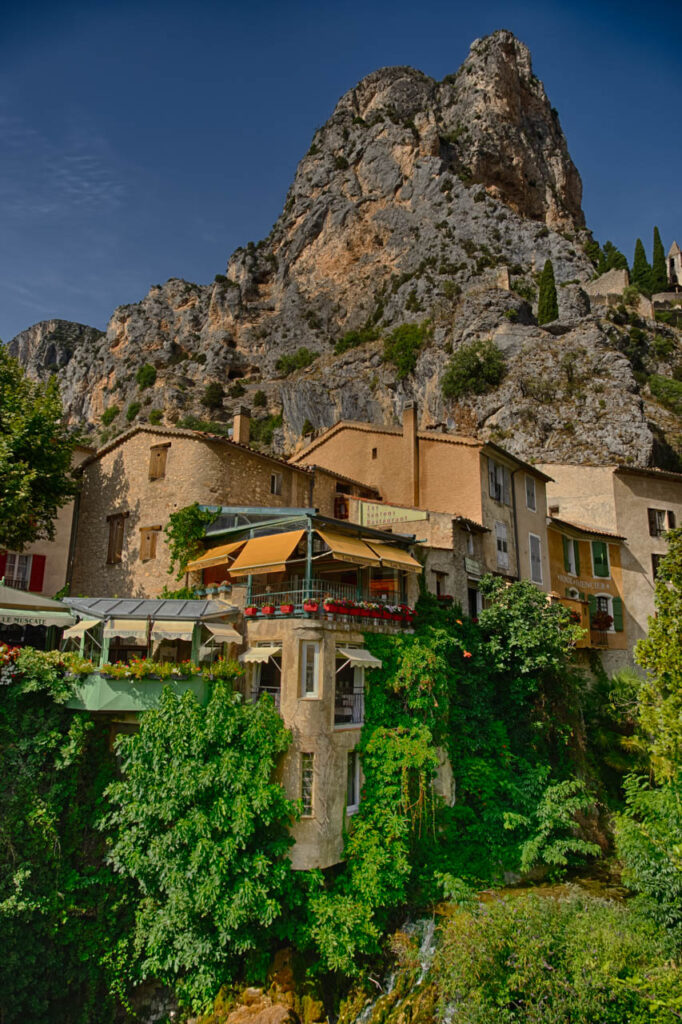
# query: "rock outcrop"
[[415, 201]]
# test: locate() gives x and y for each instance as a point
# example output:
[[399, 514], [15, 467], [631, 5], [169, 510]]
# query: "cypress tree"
[[641, 271], [548, 307], [659, 273], [613, 258]]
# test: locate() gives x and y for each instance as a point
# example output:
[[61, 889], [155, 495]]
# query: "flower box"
[[268, 609], [331, 607], [286, 609], [310, 606], [251, 611]]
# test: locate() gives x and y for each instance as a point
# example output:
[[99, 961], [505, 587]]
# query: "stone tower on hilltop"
[[675, 266]]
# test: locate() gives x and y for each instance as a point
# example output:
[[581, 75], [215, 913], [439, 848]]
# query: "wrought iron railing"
[[18, 584], [315, 590], [599, 638], [273, 691], [349, 709]]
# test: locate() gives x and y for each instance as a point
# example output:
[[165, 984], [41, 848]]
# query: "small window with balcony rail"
[[310, 669], [353, 782], [349, 697], [17, 570], [307, 784]]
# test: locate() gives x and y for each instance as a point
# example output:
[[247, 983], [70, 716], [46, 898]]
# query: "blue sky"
[[141, 141]]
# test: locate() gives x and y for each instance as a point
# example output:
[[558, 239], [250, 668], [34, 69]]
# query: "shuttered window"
[[535, 558], [571, 556], [617, 611], [600, 558], [116, 530], [658, 521], [502, 546], [499, 482], [530, 494], [157, 461], [148, 538]]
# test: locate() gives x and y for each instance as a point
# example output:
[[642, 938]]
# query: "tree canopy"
[[35, 456]]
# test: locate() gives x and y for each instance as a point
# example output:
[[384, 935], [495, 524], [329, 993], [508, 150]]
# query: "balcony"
[[99, 692], [18, 583], [349, 709], [271, 691]]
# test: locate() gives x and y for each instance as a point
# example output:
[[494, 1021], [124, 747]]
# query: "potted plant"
[[251, 611], [311, 606], [330, 605], [267, 609], [602, 621], [286, 609]]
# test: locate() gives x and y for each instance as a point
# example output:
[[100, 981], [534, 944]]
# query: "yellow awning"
[[359, 657], [81, 627], [170, 629], [224, 633], [255, 654], [348, 549], [214, 556], [133, 629], [266, 554], [395, 557]]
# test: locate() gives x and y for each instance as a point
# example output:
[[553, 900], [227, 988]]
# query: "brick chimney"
[[411, 453], [241, 430]]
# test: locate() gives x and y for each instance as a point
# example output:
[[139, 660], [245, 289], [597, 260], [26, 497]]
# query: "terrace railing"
[[349, 709]]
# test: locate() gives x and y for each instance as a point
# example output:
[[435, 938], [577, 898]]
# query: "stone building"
[[131, 486], [43, 567], [637, 505], [499, 495], [587, 574], [674, 266]]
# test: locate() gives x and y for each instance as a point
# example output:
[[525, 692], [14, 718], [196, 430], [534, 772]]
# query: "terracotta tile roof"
[[597, 531]]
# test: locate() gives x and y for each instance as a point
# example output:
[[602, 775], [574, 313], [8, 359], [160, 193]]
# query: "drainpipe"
[[516, 524]]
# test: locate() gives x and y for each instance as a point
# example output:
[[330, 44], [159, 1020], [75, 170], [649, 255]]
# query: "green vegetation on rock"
[[474, 369], [403, 345], [300, 359], [145, 376], [548, 306]]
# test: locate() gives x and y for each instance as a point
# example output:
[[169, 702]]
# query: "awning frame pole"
[[308, 589]]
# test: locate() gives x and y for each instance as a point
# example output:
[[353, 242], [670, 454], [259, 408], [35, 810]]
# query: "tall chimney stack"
[[411, 452], [241, 430]]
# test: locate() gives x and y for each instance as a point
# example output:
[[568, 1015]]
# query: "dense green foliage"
[[548, 306], [297, 361], [200, 830], [110, 414], [35, 456], [184, 532], [641, 271], [262, 430], [667, 391], [403, 345], [145, 376], [213, 395], [61, 908], [474, 369], [649, 831], [353, 339], [659, 273], [575, 960], [611, 259]]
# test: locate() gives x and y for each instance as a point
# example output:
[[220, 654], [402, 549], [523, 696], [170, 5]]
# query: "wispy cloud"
[[39, 179]]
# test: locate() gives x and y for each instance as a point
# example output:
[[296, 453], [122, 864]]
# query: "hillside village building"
[[131, 486], [675, 266], [636, 505], [502, 497]]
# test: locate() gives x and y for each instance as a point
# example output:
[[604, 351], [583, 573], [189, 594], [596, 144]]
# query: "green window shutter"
[[592, 601], [600, 558], [617, 605], [567, 564], [582, 596], [576, 554]]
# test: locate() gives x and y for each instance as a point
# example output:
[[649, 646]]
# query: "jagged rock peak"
[[47, 346]]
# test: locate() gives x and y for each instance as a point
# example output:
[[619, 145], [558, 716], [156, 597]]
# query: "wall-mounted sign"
[[375, 514]]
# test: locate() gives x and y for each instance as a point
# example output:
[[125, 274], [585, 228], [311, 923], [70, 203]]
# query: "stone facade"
[[620, 499], [451, 476], [121, 480], [674, 265]]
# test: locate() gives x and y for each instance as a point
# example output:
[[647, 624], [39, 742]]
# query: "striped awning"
[[215, 556], [346, 548], [394, 557], [359, 657], [126, 629], [169, 629], [81, 627], [259, 654], [266, 554], [223, 633]]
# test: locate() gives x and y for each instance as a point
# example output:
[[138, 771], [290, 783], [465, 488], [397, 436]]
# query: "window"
[[266, 676], [310, 656], [18, 570], [535, 558], [115, 549], [600, 559], [157, 461], [474, 601], [275, 483], [353, 782], [655, 562], [502, 546], [307, 780], [499, 482], [571, 556], [605, 604], [148, 536], [349, 694], [530, 494], [374, 453], [441, 583], [660, 521]]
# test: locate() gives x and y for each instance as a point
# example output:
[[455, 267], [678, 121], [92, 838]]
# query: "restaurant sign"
[[376, 514]]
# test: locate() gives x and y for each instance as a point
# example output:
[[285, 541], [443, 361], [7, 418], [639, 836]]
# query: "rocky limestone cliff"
[[417, 199]]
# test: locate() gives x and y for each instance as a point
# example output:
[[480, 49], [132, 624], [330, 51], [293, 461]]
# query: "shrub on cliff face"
[[298, 361], [474, 369], [213, 396], [548, 306], [403, 345], [145, 376]]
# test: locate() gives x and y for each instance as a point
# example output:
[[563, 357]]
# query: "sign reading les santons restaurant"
[[374, 514]]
